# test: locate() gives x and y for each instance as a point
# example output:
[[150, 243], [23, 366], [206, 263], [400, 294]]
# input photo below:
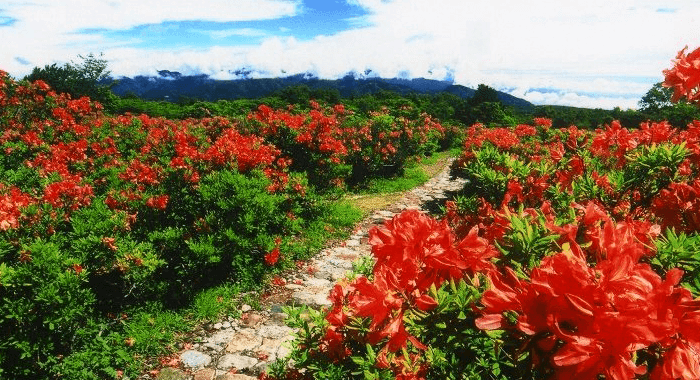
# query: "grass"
[[153, 331], [382, 192]]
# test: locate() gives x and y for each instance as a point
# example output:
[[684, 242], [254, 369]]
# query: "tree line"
[[90, 77]]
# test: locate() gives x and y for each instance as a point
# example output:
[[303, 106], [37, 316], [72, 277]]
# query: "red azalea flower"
[[272, 257], [684, 77], [159, 202], [77, 268]]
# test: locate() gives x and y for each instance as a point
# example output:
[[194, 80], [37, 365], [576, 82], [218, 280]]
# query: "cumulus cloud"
[[577, 100], [595, 53], [49, 30]]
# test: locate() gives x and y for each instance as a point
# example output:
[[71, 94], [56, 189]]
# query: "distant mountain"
[[171, 85]]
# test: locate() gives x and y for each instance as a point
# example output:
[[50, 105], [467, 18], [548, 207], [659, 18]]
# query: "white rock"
[[195, 359], [238, 362]]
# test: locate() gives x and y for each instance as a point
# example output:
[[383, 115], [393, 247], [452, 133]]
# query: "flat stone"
[[213, 346], [276, 348], [169, 373], [339, 275], [317, 282], [234, 376], [217, 325], [294, 286], [226, 324], [352, 243], [222, 337], [314, 300], [323, 275], [340, 251], [274, 332], [205, 374], [330, 273], [269, 349], [195, 359], [239, 362], [246, 308], [321, 300], [244, 340], [251, 319], [340, 263], [302, 297]]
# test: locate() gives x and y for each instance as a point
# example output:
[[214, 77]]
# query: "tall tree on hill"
[[484, 94], [656, 99], [656, 104]]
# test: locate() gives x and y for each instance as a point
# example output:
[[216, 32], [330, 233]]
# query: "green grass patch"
[[217, 302], [154, 332], [415, 174], [380, 193]]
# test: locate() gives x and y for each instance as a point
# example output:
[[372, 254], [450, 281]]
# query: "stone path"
[[240, 349]]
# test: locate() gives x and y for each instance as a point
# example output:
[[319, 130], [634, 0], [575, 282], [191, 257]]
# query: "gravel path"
[[239, 349]]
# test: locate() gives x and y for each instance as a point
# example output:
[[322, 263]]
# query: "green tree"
[[86, 78], [299, 94], [656, 105], [680, 115], [656, 99], [492, 114], [484, 94]]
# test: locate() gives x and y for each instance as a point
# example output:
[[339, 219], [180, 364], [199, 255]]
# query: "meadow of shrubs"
[[101, 214], [569, 254]]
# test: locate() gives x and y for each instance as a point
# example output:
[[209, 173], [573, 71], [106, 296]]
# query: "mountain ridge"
[[171, 85]]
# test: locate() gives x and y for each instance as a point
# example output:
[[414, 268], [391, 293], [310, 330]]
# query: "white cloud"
[[74, 15], [241, 32], [577, 100], [48, 30], [591, 53]]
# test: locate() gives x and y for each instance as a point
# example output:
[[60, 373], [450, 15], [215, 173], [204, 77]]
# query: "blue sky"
[[593, 53], [311, 18]]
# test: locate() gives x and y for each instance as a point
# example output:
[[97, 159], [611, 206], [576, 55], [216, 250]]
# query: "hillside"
[[169, 85]]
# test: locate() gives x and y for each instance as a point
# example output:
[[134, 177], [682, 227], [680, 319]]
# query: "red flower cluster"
[[140, 173], [596, 308], [245, 153], [678, 206], [325, 139], [12, 202], [159, 202], [68, 194], [273, 256], [524, 130], [414, 252], [53, 134], [584, 320], [684, 77], [613, 142]]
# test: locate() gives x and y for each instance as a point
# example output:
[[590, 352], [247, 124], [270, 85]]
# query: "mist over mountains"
[[172, 85]]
